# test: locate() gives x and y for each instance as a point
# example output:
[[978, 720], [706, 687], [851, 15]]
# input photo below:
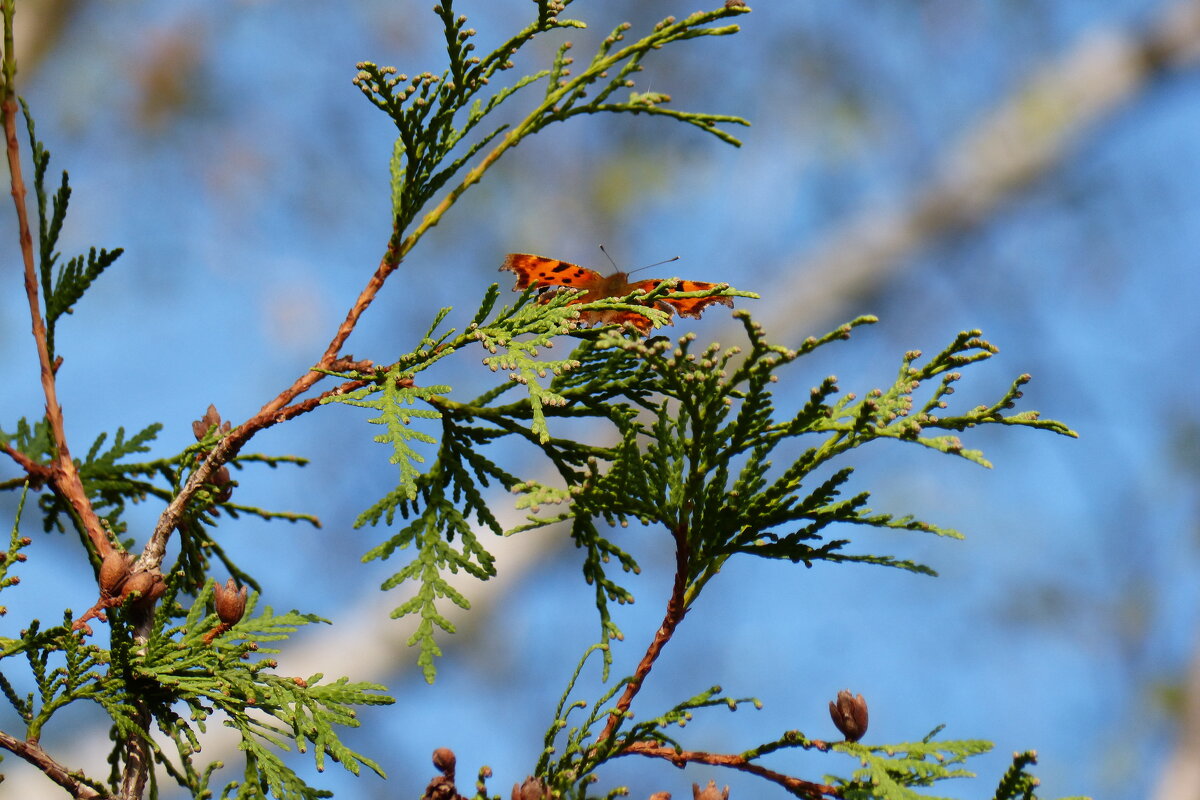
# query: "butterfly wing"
[[549, 273], [686, 306], [544, 272]]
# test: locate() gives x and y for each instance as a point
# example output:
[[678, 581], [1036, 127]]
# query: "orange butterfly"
[[544, 273]]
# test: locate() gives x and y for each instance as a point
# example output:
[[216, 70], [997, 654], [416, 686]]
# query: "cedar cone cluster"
[[220, 478], [118, 580]]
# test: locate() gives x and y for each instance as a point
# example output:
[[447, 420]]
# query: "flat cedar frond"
[[394, 396], [62, 290], [891, 772], [704, 461], [438, 520], [221, 677]]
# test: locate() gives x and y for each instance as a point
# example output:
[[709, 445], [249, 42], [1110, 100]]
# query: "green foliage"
[[226, 677], [887, 771], [441, 500], [34, 441], [581, 753], [13, 555], [696, 435], [1017, 783], [891, 771], [437, 116], [60, 291], [177, 666], [112, 483], [690, 442]]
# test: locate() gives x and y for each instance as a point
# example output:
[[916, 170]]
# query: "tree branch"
[[39, 474], [32, 752], [676, 610], [681, 758], [65, 477]]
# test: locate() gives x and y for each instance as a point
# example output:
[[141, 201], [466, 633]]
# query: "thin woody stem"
[[269, 414], [32, 752], [677, 608], [225, 450], [681, 758], [38, 473], [65, 477]]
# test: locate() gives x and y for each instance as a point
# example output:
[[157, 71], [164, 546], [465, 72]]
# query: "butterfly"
[[546, 273]]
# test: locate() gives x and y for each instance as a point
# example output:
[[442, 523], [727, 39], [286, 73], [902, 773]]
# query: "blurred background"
[[1028, 168]]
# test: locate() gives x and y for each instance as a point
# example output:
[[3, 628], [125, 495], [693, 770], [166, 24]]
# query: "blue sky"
[[224, 147]]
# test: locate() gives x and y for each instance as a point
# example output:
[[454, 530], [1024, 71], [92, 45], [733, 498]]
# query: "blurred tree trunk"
[[1024, 137]]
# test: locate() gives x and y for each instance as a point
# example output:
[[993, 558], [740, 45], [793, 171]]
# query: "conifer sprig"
[[177, 666], [61, 290], [893, 772], [436, 115], [16, 543]]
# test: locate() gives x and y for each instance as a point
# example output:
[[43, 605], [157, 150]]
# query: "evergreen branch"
[[66, 481], [676, 608], [1016, 783], [561, 711], [890, 771], [16, 543], [409, 107], [789, 740], [73, 280]]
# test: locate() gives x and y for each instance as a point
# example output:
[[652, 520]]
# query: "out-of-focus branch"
[[34, 754], [1180, 776], [39, 28], [1027, 134]]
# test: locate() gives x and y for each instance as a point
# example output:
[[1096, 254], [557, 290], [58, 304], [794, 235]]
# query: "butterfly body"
[[551, 274]]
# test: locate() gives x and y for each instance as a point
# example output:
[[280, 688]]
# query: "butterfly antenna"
[[655, 264], [610, 258]]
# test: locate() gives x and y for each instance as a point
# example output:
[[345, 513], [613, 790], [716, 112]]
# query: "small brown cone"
[[230, 602], [709, 792], [849, 714]]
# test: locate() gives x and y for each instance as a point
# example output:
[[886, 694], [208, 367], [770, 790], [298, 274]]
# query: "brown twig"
[[39, 474], [268, 415], [274, 412], [681, 758], [32, 752], [225, 450], [676, 610], [65, 477]]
